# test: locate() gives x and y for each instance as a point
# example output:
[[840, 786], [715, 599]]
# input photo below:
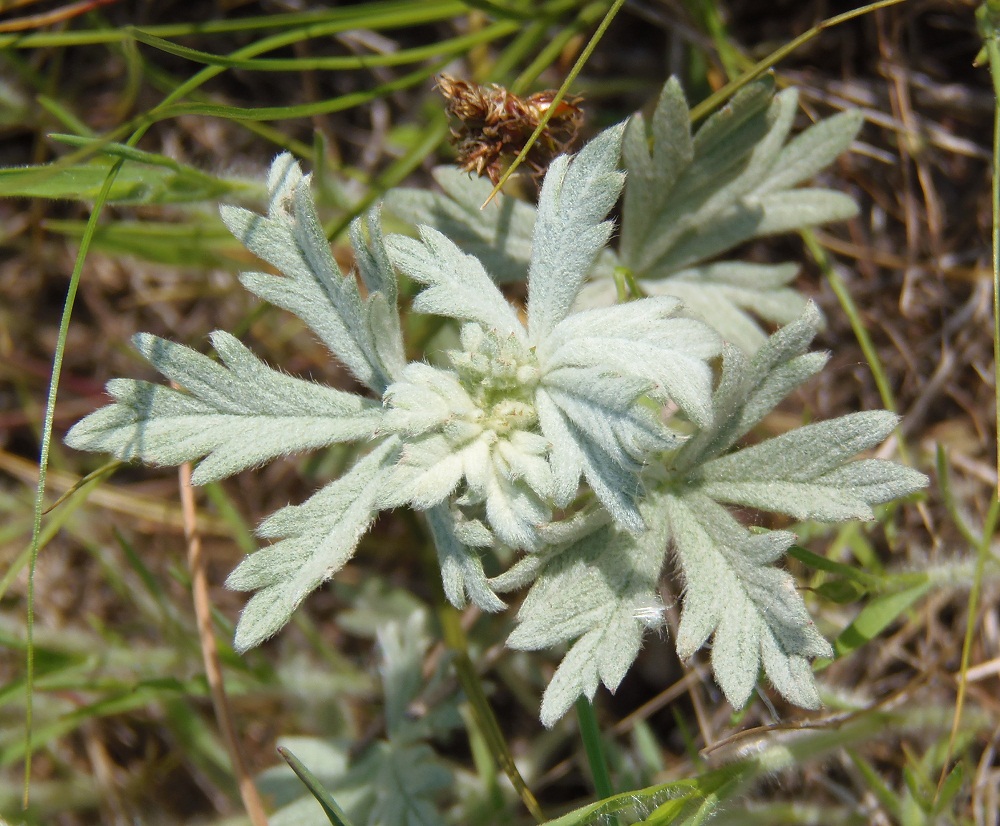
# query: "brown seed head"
[[495, 125]]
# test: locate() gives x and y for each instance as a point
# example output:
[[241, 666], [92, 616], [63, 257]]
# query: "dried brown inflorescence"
[[496, 124]]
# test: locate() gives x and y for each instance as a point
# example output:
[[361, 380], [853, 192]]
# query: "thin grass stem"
[[590, 733], [560, 94], [454, 638], [210, 654]]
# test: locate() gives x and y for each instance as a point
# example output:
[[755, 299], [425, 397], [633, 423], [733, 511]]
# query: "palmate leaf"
[[399, 780], [694, 197], [601, 591], [408, 781], [690, 198], [807, 473], [731, 589], [237, 414], [406, 777]]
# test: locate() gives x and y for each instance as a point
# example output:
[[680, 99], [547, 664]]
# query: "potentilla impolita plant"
[[585, 440], [690, 198]]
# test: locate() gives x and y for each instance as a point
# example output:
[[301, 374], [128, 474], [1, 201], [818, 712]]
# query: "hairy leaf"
[[807, 473], [691, 198], [727, 295], [499, 235], [643, 339], [407, 780], [570, 229], [461, 566], [237, 414], [312, 287], [601, 591], [315, 540], [753, 610], [457, 286]]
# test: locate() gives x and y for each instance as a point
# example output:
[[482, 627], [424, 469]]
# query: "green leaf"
[[237, 414], [878, 615], [663, 803], [316, 539], [688, 200], [408, 780], [198, 243], [570, 230], [601, 592], [752, 610], [135, 184], [291, 239]]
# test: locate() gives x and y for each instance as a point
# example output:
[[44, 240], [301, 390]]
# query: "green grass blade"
[[715, 100], [302, 110], [397, 13], [878, 615], [590, 733], [323, 797], [443, 48], [454, 638]]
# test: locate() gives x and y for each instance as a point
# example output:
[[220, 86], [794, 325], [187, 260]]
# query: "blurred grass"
[[122, 726]]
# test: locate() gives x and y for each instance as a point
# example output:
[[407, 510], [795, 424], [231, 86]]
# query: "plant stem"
[[454, 638], [591, 734]]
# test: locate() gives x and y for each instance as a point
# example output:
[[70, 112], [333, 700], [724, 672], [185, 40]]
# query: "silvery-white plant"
[[689, 199], [588, 441]]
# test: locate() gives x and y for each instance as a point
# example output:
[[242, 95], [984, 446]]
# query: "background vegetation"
[[123, 728]]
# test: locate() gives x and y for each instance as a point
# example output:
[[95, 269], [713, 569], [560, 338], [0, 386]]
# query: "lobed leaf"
[[599, 591], [806, 473], [570, 230], [499, 236], [408, 779], [728, 294], [312, 287], [749, 389], [237, 414], [457, 286], [752, 611], [643, 340], [690, 199], [461, 565], [315, 540]]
